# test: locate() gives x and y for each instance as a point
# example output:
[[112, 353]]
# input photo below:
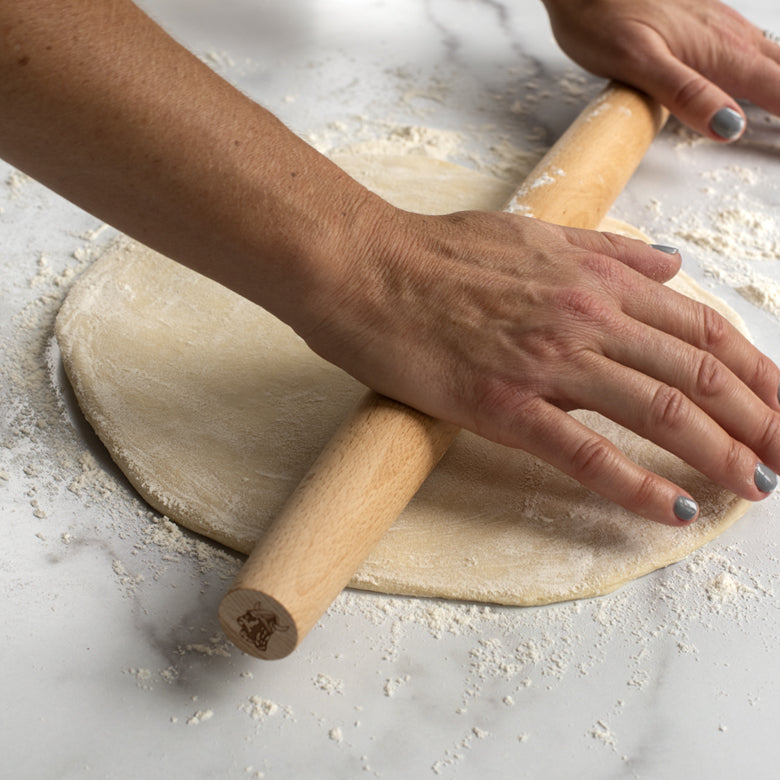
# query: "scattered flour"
[[392, 685], [737, 238], [217, 646], [501, 157], [603, 734], [16, 183], [259, 708], [762, 292], [93, 481], [706, 590], [143, 676], [201, 716], [710, 588], [744, 231], [128, 581], [328, 684], [724, 587]]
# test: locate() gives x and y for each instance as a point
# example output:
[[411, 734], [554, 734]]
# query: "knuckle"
[[714, 329], [770, 434], [500, 407], [608, 272], [733, 462], [594, 459], [644, 493], [584, 305], [489, 399], [711, 375], [763, 374], [689, 91], [669, 408]]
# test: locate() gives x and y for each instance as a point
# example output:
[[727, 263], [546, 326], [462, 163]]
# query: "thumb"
[[693, 99]]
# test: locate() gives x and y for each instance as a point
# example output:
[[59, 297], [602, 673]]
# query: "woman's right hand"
[[500, 324]]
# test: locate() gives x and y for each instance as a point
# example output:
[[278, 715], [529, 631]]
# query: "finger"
[[713, 389], [692, 98], [768, 43], [762, 84], [595, 462], [667, 416], [655, 261], [658, 262], [670, 312], [748, 64]]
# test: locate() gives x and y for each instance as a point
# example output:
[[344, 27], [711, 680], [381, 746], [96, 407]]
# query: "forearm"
[[100, 104]]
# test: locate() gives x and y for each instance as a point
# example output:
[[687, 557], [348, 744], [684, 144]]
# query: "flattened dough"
[[214, 410]]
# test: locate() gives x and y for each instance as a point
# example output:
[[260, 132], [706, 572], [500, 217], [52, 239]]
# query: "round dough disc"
[[214, 410]]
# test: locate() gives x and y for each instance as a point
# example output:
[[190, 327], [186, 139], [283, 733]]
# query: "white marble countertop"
[[113, 665]]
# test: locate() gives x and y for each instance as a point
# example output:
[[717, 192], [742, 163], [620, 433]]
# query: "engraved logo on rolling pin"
[[258, 626]]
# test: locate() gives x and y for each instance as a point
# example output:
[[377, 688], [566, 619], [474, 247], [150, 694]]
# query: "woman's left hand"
[[696, 57]]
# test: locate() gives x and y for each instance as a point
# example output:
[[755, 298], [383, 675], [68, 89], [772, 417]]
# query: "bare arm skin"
[[102, 106], [494, 322]]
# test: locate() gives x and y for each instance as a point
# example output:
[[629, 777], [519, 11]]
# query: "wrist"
[[316, 250]]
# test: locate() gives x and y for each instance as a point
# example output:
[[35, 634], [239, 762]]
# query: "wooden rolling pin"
[[384, 451]]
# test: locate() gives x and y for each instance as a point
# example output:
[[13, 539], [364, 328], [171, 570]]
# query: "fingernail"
[[670, 250], [727, 123], [765, 478], [685, 508]]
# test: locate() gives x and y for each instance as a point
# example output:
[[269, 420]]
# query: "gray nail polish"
[[685, 508], [727, 123], [670, 250], [765, 478]]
